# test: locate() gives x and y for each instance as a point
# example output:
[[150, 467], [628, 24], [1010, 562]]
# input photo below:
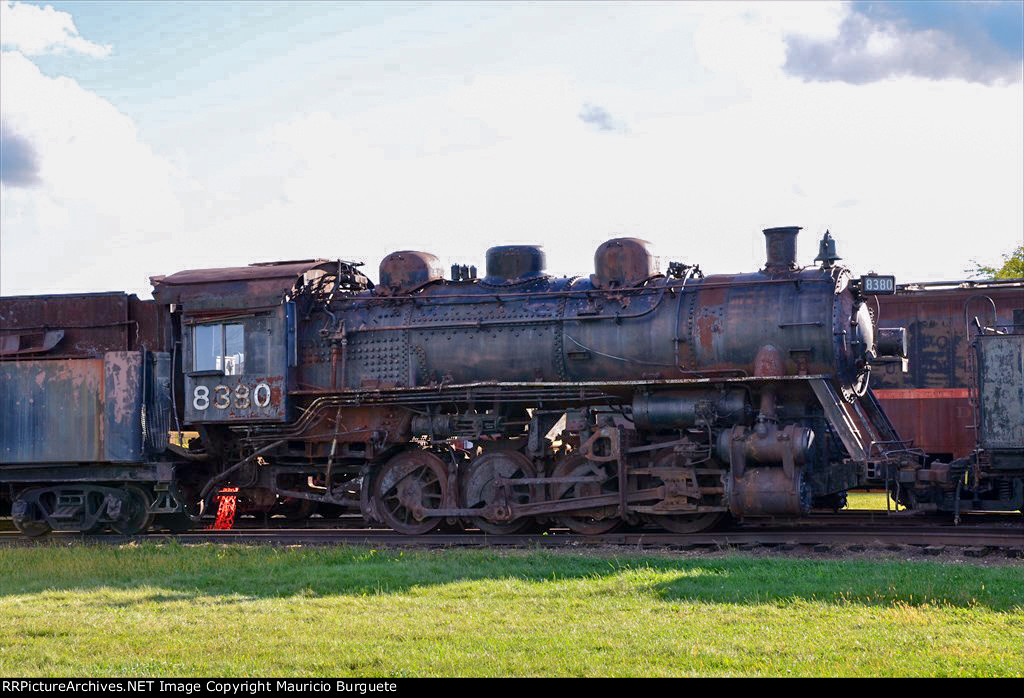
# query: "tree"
[[1012, 268]]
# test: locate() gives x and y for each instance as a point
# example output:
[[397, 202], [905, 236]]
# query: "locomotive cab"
[[236, 331], [234, 368]]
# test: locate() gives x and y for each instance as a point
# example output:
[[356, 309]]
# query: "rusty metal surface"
[[938, 333], [406, 271], [51, 411], [409, 483], [26, 343], [122, 406], [938, 422], [781, 243], [80, 325], [71, 410], [929, 404], [513, 264], [493, 348], [767, 492], [251, 284], [672, 409], [713, 326], [221, 398], [463, 344], [491, 483], [319, 429], [257, 393], [623, 262], [1001, 391]]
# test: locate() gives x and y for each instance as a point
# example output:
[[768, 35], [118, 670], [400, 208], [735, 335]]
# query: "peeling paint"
[[1001, 390]]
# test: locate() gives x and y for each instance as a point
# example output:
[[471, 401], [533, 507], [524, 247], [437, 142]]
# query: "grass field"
[[203, 610], [873, 501]]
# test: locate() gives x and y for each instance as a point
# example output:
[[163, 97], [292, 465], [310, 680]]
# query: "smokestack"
[[781, 244]]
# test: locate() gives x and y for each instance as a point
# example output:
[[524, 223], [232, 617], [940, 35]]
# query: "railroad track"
[[979, 538]]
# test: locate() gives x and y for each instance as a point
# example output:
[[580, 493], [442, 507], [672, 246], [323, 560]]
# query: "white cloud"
[[35, 30], [103, 204], [977, 42], [744, 41], [913, 177], [892, 168]]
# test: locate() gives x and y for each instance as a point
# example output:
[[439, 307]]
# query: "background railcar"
[[930, 403], [85, 398]]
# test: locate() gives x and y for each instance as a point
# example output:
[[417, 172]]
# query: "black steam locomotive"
[[509, 401]]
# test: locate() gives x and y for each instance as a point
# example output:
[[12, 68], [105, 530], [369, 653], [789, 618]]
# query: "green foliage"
[[172, 610], [1012, 267]]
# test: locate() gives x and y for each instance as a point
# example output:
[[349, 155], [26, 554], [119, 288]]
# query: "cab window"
[[219, 347]]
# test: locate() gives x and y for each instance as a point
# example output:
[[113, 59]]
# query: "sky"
[[142, 138]]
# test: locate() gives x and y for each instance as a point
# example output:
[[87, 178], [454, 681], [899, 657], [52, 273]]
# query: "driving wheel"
[[407, 484], [480, 488]]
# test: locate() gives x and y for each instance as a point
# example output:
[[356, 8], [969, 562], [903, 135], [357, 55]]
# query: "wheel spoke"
[[422, 485], [480, 489]]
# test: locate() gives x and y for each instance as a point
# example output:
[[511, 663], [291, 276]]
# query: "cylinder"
[[769, 492], [513, 263], [405, 271], [781, 248], [623, 262], [766, 444], [676, 409], [892, 341]]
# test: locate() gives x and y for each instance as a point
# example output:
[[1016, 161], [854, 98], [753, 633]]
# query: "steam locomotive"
[[505, 402]]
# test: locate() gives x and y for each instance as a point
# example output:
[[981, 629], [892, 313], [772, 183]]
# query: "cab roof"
[[233, 287]]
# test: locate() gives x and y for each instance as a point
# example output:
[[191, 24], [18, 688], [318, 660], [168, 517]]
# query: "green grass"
[[873, 501], [204, 610]]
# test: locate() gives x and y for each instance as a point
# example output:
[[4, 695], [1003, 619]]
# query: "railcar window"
[[219, 348], [234, 350], [208, 347]]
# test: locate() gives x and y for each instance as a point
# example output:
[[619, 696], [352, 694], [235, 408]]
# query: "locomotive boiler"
[[518, 399]]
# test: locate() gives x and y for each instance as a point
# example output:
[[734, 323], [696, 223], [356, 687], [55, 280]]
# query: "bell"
[[827, 251]]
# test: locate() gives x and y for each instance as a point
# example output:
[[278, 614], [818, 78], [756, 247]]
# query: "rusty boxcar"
[[930, 403]]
